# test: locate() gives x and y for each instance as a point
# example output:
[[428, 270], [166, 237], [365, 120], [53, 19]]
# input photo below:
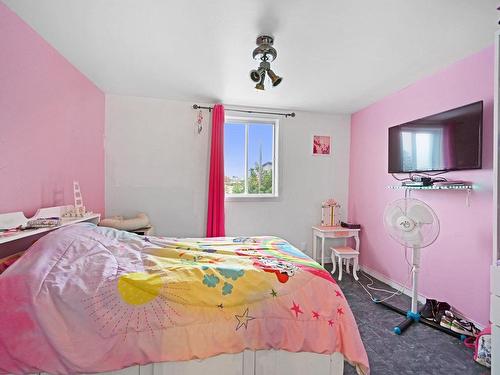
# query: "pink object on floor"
[[215, 214], [464, 245], [52, 124]]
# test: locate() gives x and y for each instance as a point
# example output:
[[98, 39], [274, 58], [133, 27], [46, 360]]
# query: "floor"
[[419, 350]]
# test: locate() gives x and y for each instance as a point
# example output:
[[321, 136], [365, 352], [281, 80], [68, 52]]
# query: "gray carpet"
[[419, 350]]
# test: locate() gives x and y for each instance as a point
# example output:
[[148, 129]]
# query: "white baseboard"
[[391, 283], [407, 291]]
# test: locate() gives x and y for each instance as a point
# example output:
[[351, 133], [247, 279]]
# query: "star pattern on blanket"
[[331, 322], [338, 293], [243, 320], [274, 293], [296, 309], [340, 310], [315, 315]]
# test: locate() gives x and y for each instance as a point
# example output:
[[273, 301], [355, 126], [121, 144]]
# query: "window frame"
[[248, 120]]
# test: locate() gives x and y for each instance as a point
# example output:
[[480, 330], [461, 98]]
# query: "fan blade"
[[413, 238], [392, 216], [420, 214]]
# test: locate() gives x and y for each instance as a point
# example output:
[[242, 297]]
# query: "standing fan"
[[414, 225]]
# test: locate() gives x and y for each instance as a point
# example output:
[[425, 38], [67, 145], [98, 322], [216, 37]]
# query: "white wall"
[[158, 164]]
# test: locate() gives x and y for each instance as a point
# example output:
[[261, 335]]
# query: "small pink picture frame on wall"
[[321, 145]]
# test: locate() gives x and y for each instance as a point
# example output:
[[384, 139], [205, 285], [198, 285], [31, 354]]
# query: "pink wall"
[[51, 124], [456, 267]]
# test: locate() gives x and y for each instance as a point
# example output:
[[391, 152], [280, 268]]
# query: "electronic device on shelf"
[[423, 179], [350, 225], [418, 181], [413, 183]]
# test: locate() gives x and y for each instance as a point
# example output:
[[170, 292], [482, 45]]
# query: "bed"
[[86, 299]]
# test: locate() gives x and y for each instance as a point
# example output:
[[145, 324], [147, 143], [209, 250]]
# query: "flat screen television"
[[446, 141]]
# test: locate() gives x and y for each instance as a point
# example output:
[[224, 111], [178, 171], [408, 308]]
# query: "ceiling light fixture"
[[266, 53]]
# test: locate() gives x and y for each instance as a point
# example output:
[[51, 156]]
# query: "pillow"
[[9, 261], [118, 222]]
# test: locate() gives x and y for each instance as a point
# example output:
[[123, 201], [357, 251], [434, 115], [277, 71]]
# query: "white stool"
[[347, 253]]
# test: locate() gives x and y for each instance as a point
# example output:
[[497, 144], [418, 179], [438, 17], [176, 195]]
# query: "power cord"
[[434, 174], [401, 179], [392, 293], [371, 287], [421, 174]]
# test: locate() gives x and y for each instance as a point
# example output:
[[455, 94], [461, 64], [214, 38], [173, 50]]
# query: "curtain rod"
[[292, 114]]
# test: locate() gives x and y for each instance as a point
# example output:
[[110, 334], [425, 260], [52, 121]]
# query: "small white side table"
[[321, 232], [345, 253]]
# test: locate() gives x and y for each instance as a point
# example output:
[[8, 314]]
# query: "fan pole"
[[412, 315], [415, 270]]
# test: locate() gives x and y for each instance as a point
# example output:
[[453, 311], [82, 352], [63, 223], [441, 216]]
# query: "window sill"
[[251, 198]]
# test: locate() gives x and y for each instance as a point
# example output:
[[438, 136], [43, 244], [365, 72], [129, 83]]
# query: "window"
[[423, 149], [250, 157]]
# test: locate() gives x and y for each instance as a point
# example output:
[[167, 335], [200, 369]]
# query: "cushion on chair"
[[344, 250]]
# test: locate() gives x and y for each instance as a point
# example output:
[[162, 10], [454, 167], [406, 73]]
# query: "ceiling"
[[335, 55]]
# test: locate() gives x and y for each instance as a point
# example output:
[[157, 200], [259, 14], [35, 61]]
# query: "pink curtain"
[[215, 216]]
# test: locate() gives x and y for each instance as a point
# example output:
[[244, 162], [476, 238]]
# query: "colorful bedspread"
[[91, 299]]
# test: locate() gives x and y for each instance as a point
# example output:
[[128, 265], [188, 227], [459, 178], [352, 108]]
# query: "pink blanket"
[[92, 299]]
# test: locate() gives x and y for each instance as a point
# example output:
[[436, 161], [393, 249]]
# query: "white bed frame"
[[261, 362]]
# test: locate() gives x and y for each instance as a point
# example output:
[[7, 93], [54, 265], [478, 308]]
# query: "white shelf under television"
[[467, 187]]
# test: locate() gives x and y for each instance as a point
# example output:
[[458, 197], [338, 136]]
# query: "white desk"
[[14, 219], [320, 232]]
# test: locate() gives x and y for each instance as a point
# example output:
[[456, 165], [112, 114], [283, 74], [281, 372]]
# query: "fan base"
[[412, 317]]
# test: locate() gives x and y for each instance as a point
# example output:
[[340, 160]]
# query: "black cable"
[[421, 174], [434, 174], [427, 175], [439, 179], [401, 179]]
